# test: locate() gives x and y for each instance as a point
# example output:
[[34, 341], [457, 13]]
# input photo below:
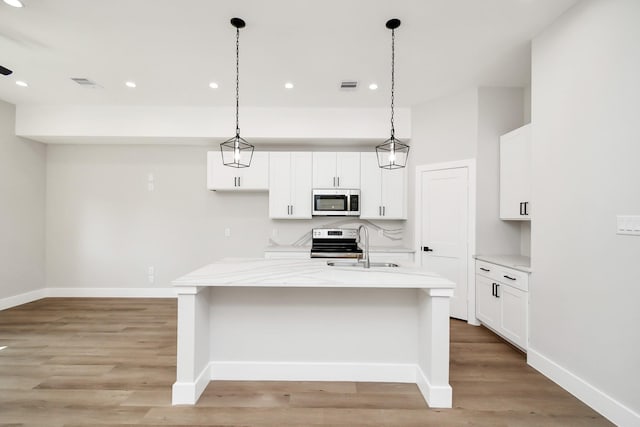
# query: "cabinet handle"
[[509, 277], [493, 289], [484, 269], [334, 181], [239, 182], [291, 209], [338, 181], [384, 210], [526, 208], [497, 287], [521, 208]]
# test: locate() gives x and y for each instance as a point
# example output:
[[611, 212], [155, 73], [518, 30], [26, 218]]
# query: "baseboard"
[[309, 371], [610, 408], [110, 292], [25, 298], [189, 393], [436, 396]]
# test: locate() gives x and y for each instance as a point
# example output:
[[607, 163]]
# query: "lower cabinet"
[[502, 301]]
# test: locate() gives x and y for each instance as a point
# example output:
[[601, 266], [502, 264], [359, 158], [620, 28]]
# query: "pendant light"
[[392, 154], [236, 152]]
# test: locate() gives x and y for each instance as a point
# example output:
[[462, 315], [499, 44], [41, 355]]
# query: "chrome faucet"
[[365, 260]]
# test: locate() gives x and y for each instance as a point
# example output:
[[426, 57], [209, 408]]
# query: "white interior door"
[[444, 228]]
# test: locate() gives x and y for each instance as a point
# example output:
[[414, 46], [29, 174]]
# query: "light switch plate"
[[628, 224]]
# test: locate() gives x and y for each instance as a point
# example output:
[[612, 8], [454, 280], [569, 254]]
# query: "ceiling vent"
[[85, 82], [349, 84]]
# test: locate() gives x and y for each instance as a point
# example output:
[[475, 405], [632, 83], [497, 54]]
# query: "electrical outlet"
[[227, 232], [628, 224]]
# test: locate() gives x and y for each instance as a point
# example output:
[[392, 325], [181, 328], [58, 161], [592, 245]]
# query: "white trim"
[[610, 408], [111, 292], [38, 294], [470, 165], [310, 371], [20, 299], [436, 397], [189, 393]]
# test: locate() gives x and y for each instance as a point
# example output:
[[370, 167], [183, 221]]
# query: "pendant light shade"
[[393, 153], [236, 152]]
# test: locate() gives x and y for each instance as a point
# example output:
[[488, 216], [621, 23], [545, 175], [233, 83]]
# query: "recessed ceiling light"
[[21, 83], [14, 3], [130, 84], [213, 85], [373, 86], [288, 85]]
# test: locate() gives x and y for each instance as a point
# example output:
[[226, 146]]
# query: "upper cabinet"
[[383, 191], [336, 170], [515, 174], [225, 178], [290, 185]]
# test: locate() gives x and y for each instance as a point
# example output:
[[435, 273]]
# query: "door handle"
[[427, 249]]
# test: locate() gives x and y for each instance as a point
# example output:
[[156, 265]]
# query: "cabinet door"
[[301, 177], [324, 170], [256, 176], [513, 314], [393, 193], [371, 187], [515, 174], [487, 305], [221, 177], [279, 185], [348, 170]]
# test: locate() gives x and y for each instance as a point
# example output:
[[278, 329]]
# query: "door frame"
[[470, 165]]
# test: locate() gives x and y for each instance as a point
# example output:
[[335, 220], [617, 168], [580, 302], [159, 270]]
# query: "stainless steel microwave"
[[335, 202]]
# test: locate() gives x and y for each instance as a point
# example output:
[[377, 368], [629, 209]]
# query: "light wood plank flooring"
[[111, 362]]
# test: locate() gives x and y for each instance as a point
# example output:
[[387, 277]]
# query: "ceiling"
[[172, 49]]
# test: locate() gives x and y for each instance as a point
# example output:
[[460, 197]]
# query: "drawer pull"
[[509, 277], [493, 289], [484, 269]]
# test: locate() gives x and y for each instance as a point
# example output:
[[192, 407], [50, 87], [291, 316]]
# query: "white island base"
[[300, 320]]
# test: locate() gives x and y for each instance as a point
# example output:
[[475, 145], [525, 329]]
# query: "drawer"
[[488, 270], [508, 276]]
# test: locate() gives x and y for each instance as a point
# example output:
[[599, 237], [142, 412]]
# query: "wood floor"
[[86, 362]]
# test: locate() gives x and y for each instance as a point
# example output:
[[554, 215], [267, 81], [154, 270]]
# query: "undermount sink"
[[359, 264]]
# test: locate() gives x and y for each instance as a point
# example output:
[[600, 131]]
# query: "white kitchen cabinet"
[[290, 185], [383, 192], [336, 170], [502, 301], [515, 174], [225, 178]]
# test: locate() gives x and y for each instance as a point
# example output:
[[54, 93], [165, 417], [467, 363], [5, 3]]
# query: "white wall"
[[500, 110], [467, 125], [442, 130], [22, 205], [104, 228], [586, 151]]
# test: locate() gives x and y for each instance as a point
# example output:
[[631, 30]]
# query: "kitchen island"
[[301, 320]]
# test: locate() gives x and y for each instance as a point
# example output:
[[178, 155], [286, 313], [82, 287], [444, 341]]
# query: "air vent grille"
[[349, 84], [84, 81]]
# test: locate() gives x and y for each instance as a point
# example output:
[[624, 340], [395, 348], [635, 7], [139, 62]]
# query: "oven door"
[[330, 204]]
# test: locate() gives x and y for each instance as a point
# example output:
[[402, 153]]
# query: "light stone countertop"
[[372, 249], [517, 262], [310, 273]]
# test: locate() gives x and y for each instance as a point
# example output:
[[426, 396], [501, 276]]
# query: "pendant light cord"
[[393, 61], [237, 82]]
